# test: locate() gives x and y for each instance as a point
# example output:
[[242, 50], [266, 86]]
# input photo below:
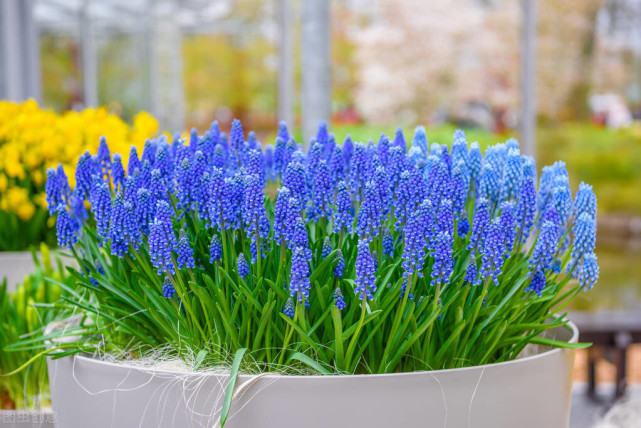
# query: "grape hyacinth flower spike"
[[365, 272], [242, 267], [168, 289]]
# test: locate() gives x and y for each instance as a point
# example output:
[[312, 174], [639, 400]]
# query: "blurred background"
[[562, 76]]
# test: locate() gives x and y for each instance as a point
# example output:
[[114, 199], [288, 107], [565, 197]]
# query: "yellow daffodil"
[[34, 139]]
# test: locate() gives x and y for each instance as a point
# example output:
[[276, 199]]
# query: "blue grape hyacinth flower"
[[299, 238], [526, 208], [480, 225], [589, 273], [253, 207], [489, 186], [321, 192], [52, 190], [185, 180], [242, 267], [537, 284], [145, 210], [388, 243], [133, 234], [184, 251], [508, 224], [104, 158], [67, 235], [289, 308], [443, 262], [359, 168], [216, 198], [299, 284], [459, 148], [474, 162], [493, 251], [84, 170], [339, 300], [512, 176], [417, 233], [327, 248], [295, 181], [545, 247], [233, 201], [584, 231], [420, 139], [370, 215], [562, 198], [585, 201], [100, 199], [281, 213], [471, 272], [133, 163], [365, 272], [343, 216], [116, 234], [168, 289], [340, 265], [215, 249], [117, 171], [162, 239], [399, 140], [160, 247]]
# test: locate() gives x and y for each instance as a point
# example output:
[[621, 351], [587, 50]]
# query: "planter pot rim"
[[570, 326]]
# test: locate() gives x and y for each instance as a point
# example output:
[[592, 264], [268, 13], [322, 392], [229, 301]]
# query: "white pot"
[[15, 266], [530, 392]]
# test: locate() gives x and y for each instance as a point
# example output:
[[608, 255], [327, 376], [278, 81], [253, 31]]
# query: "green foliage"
[[214, 309], [17, 234]]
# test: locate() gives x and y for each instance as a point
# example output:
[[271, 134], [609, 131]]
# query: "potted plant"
[[377, 284], [24, 385]]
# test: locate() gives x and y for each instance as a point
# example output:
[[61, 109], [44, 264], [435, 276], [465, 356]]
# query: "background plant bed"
[[532, 391]]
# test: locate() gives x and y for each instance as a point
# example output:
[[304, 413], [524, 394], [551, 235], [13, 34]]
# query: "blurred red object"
[[347, 116]]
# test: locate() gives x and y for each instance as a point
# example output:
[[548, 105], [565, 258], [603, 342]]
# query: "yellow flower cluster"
[[33, 139]]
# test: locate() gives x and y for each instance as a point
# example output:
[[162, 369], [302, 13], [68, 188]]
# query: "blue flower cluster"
[[427, 203]]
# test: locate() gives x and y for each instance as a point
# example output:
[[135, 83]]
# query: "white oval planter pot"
[[530, 392]]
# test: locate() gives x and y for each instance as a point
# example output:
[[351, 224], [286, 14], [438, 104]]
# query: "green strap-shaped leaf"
[[229, 393], [313, 364], [558, 343], [199, 358]]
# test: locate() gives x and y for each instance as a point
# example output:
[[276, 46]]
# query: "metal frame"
[[315, 53], [528, 77], [285, 63], [20, 74]]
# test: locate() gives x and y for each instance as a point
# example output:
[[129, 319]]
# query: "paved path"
[[585, 413]]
